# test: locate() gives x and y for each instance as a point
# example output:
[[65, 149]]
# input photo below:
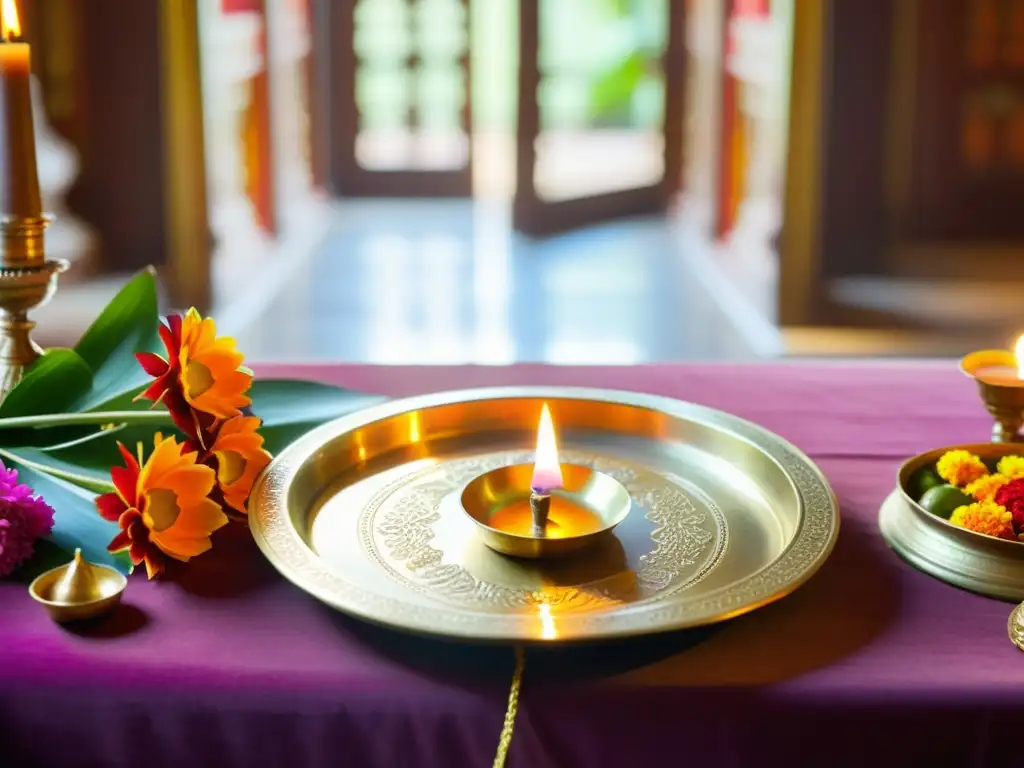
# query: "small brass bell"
[[78, 590]]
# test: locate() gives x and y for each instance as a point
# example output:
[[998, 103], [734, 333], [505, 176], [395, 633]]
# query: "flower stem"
[[92, 417]]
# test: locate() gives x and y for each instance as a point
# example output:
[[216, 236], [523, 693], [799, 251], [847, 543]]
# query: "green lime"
[[923, 481], [943, 499]]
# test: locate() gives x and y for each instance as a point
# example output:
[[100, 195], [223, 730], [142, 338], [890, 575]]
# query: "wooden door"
[[600, 118], [400, 118], [967, 160]]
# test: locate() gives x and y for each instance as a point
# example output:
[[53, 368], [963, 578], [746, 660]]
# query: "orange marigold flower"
[[985, 487], [212, 377], [985, 517], [1011, 466], [239, 456], [163, 507], [960, 468]]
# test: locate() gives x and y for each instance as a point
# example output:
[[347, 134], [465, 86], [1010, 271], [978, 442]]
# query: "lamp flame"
[[547, 472], [1018, 352], [9, 20]]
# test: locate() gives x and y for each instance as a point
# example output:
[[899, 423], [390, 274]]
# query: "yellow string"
[[505, 740]]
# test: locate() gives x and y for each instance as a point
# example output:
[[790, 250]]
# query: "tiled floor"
[[448, 282]]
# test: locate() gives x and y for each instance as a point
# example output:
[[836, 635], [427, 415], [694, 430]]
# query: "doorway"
[[569, 110]]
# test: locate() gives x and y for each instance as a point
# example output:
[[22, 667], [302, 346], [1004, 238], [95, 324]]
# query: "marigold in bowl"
[[985, 487], [985, 517], [1011, 498], [960, 468], [1011, 466]]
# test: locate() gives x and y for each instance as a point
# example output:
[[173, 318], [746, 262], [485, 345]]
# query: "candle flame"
[[1018, 352], [547, 472], [10, 21]]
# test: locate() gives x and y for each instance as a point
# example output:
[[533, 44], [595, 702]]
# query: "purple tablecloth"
[[870, 661]]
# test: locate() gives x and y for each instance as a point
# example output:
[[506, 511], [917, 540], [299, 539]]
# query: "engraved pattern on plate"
[[398, 529]]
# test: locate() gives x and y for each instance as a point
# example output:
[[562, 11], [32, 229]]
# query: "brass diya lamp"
[[78, 590], [547, 509], [999, 374]]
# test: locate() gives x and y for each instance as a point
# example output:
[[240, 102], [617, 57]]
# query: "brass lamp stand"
[[27, 277], [27, 280]]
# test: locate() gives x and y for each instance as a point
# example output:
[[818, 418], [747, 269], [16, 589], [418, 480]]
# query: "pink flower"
[[24, 517]]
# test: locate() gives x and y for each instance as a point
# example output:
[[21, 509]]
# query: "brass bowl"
[[1005, 402], [973, 561], [78, 590], [588, 506]]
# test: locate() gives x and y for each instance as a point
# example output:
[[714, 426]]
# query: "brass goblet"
[[1003, 395]]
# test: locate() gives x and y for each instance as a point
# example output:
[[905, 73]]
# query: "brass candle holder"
[[27, 280], [1001, 390], [517, 521]]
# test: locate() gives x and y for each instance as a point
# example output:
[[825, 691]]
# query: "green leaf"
[[93, 458], [76, 521], [94, 478], [51, 385], [73, 438], [127, 325], [290, 407], [126, 400], [46, 438]]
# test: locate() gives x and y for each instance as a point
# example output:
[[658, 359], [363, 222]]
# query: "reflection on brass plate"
[[364, 514]]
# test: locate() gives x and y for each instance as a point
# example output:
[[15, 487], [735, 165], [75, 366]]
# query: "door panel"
[[599, 83], [403, 117]]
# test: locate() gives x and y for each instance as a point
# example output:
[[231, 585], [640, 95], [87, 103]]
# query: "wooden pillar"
[[315, 72], [333, 22], [800, 279], [121, 82], [120, 189], [188, 244]]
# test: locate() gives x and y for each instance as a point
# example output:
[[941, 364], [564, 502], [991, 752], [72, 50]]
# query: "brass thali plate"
[[363, 514]]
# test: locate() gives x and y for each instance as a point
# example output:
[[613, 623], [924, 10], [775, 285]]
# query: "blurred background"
[[562, 181]]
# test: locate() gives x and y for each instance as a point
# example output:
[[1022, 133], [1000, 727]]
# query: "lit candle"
[[997, 367], [547, 471], [19, 186]]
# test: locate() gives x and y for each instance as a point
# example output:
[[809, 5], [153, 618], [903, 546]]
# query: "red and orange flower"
[[166, 387], [238, 456], [171, 504], [202, 374], [163, 507], [213, 379]]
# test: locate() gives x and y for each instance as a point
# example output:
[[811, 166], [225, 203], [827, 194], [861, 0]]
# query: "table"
[[871, 662]]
